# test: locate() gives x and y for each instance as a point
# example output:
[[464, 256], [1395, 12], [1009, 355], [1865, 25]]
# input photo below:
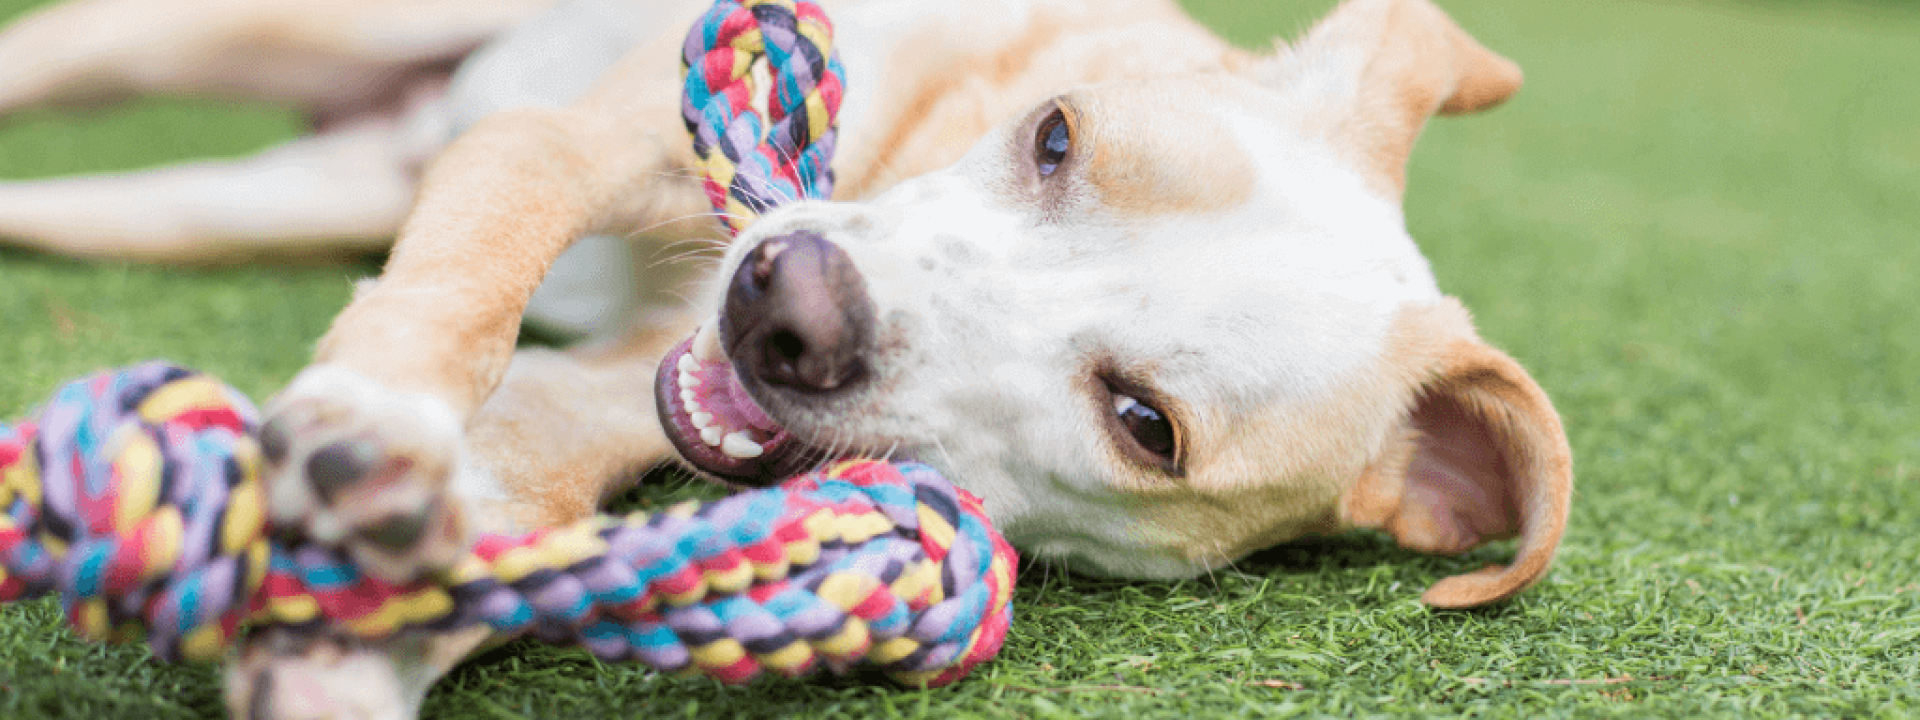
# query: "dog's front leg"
[[563, 430], [379, 417], [368, 449]]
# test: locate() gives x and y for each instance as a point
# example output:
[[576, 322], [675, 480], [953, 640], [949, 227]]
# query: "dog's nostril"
[[786, 346], [788, 360], [797, 314]]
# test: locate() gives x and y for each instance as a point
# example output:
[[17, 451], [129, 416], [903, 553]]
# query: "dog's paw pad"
[[353, 465]]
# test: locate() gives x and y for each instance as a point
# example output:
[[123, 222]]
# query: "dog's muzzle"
[[796, 329], [797, 318]]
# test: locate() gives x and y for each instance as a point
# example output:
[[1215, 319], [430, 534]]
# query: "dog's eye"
[[1051, 143], [1148, 426]]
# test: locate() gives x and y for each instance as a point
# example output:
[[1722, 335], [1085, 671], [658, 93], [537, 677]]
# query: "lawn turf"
[[1695, 226]]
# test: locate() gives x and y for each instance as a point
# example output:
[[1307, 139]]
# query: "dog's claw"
[[353, 465], [339, 466], [275, 441]]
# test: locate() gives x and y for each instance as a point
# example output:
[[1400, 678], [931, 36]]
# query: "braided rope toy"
[[136, 494]]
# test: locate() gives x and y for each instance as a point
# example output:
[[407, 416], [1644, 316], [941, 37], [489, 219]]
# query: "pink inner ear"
[[1459, 492]]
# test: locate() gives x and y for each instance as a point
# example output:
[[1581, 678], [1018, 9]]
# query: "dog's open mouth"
[[715, 425]]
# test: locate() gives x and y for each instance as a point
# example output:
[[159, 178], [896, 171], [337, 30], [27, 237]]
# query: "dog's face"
[[1155, 325]]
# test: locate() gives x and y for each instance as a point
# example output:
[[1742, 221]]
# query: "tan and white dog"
[[1149, 295]]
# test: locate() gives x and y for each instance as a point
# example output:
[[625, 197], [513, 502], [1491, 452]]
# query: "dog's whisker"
[[684, 296], [693, 260], [1232, 564], [669, 221], [941, 447], [688, 292], [687, 246], [842, 444], [1219, 551], [678, 173], [685, 255], [727, 216]]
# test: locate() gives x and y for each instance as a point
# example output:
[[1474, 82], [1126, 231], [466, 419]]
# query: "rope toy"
[[744, 175], [136, 494]]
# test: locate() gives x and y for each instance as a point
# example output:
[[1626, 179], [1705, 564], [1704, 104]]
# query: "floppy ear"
[[1481, 457], [1373, 71]]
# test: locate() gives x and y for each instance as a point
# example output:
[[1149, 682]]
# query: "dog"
[[1149, 295]]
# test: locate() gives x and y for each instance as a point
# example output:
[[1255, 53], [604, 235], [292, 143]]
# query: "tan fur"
[[557, 472], [1342, 463], [1530, 454], [1169, 163], [1353, 449], [1535, 458], [1415, 61], [944, 98]]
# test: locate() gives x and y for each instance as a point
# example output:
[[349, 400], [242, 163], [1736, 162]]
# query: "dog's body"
[[1149, 295], [386, 86], [370, 73]]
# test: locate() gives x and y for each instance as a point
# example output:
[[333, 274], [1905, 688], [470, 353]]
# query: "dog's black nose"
[[797, 315]]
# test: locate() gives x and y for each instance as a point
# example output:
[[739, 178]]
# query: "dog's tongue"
[[718, 393], [712, 421]]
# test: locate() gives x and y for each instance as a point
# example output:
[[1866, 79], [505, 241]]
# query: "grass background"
[[1696, 225]]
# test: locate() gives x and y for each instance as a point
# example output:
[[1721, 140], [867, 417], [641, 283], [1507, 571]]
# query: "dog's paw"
[[280, 673], [282, 676], [356, 466]]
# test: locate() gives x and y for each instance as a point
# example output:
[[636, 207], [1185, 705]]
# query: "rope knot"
[[748, 168], [137, 496]]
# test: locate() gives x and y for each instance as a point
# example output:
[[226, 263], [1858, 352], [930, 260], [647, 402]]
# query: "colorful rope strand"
[[747, 170], [136, 497]]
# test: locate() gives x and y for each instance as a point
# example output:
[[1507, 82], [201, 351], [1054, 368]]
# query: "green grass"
[[1696, 226]]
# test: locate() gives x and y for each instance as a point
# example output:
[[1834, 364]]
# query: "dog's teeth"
[[694, 408], [688, 380], [711, 435], [687, 397], [688, 364], [702, 419], [706, 344], [737, 445]]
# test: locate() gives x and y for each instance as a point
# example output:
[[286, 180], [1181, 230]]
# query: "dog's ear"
[[1373, 71], [1480, 457]]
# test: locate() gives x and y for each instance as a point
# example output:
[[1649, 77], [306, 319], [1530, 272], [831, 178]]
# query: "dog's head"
[[1156, 324]]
